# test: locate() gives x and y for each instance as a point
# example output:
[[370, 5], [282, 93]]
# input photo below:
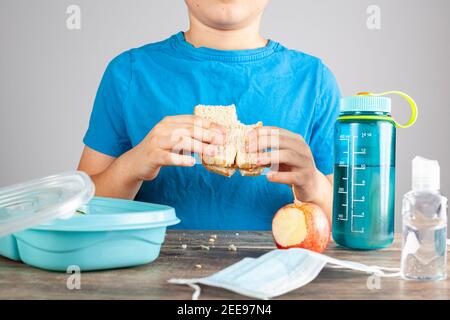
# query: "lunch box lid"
[[48, 203], [108, 214], [37, 201]]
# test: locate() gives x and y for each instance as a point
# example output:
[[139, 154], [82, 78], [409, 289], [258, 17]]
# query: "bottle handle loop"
[[412, 103]]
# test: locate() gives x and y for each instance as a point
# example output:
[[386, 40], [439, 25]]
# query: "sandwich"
[[232, 155]]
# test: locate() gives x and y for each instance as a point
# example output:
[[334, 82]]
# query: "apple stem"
[[296, 201]]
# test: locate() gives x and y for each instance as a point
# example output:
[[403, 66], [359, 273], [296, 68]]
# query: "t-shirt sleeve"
[[107, 131], [325, 114]]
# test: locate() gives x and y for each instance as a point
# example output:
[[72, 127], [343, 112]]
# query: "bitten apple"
[[301, 225]]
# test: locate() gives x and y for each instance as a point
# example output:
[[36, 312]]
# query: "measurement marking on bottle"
[[354, 186], [344, 217], [353, 174], [357, 231], [346, 179]]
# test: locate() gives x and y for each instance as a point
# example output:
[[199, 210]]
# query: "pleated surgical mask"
[[275, 273]]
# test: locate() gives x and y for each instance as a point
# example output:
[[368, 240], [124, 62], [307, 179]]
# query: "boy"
[[148, 94]]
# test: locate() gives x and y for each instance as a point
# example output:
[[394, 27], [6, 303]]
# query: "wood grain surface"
[[19, 281]]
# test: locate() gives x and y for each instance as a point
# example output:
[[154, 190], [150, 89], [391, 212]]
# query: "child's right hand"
[[171, 142]]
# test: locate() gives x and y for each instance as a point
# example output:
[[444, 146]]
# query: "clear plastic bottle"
[[424, 254]]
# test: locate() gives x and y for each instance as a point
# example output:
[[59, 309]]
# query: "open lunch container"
[[55, 222]]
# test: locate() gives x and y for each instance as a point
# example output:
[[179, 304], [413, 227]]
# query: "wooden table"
[[19, 281]]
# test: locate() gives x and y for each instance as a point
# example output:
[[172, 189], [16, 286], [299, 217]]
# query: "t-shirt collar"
[[223, 55]]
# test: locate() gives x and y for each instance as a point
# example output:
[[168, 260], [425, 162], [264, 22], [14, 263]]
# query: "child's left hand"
[[290, 160]]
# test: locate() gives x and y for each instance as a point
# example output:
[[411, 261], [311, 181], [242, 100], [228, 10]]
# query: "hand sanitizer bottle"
[[424, 254]]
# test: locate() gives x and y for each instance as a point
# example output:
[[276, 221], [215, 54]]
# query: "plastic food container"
[[54, 223]]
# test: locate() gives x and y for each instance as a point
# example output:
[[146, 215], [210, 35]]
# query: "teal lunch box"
[[48, 224]]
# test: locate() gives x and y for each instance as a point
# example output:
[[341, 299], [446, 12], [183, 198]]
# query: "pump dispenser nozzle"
[[425, 174]]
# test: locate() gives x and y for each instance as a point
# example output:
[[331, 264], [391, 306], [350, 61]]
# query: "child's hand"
[[171, 142], [290, 160]]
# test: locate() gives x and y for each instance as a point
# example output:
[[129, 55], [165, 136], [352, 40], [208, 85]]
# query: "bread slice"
[[231, 155], [245, 160], [227, 117]]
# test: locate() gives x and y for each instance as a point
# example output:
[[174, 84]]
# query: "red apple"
[[301, 225]]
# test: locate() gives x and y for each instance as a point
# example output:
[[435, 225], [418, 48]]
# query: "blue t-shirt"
[[275, 85]]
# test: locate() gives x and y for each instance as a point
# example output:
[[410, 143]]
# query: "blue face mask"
[[275, 273]]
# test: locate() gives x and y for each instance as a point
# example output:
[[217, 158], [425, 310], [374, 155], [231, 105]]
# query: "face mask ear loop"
[[197, 290], [190, 283], [393, 272]]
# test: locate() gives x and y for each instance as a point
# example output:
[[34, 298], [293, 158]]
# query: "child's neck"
[[201, 35]]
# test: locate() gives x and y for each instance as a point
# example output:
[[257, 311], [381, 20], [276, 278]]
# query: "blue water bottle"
[[364, 171]]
